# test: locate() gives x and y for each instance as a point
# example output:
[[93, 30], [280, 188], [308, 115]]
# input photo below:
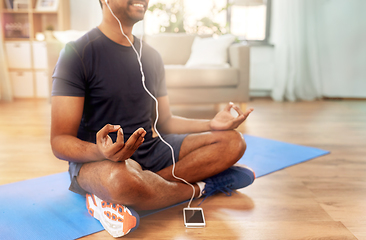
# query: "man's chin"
[[137, 16], [137, 19]]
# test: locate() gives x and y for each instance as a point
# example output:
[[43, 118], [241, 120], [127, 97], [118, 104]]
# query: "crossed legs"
[[201, 156]]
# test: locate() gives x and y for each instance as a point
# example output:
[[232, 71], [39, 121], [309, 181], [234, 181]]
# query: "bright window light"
[[245, 22], [249, 22]]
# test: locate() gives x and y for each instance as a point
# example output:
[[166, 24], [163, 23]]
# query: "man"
[[101, 124]]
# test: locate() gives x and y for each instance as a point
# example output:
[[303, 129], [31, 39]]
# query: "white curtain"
[[297, 74], [6, 93], [343, 45], [320, 49]]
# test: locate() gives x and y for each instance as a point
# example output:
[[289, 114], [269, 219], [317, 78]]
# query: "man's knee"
[[235, 144], [126, 186], [241, 144]]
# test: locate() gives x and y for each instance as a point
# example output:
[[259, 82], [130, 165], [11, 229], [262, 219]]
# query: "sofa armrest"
[[239, 57]]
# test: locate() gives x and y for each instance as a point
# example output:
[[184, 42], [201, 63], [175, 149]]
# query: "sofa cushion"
[[211, 51], [174, 48], [186, 77]]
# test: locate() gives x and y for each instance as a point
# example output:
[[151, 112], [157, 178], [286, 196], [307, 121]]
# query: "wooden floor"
[[324, 198]]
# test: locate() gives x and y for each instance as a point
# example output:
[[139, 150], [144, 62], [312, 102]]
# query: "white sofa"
[[202, 83]]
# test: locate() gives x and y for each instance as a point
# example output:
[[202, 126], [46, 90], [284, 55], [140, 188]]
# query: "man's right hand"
[[118, 151]]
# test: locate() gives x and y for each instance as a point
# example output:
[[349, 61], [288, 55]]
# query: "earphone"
[[139, 55]]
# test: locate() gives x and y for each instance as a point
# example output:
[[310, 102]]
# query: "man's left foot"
[[232, 178], [117, 219]]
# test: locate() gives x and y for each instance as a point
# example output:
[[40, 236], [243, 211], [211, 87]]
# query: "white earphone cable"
[[156, 102]]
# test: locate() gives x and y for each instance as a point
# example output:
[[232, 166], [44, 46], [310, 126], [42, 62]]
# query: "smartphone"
[[193, 217]]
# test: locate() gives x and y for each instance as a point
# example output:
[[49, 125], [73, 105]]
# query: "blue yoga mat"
[[265, 156], [44, 208]]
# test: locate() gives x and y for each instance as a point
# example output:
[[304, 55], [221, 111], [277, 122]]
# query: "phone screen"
[[194, 216]]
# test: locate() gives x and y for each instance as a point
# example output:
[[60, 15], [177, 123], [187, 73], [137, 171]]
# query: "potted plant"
[[49, 32]]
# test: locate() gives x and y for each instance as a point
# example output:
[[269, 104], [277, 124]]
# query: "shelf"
[[17, 39], [25, 39], [19, 69], [27, 57], [43, 12], [28, 11], [15, 11]]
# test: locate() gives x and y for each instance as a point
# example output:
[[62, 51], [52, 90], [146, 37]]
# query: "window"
[[250, 19], [247, 19]]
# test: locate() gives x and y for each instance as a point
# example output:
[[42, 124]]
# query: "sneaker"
[[117, 219], [232, 178]]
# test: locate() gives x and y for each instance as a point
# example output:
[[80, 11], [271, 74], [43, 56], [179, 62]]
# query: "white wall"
[[85, 14], [261, 70]]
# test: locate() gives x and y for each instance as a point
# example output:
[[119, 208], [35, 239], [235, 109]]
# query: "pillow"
[[210, 51]]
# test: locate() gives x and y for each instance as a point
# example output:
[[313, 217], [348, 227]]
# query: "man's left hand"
[[224, 120]]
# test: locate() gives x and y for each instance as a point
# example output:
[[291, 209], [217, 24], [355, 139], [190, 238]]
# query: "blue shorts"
[[152, 155]]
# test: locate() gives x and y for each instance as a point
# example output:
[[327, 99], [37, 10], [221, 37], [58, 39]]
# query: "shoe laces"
[[217, 184]]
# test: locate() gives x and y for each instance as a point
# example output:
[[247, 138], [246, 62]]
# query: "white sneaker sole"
[[116, 219]]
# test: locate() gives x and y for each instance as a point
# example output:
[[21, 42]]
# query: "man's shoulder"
[[151, 52], [149, 47], [84, 41]]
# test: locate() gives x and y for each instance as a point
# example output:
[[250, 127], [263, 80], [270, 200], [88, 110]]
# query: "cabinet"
[[26, 56]]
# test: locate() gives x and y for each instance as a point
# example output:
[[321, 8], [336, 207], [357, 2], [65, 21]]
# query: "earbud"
[[106, 1]]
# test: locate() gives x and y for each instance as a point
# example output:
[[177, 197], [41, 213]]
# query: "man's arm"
[[222, 121], [65, 120]]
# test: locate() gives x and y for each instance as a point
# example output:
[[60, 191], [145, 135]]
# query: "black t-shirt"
[[108, 76]]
